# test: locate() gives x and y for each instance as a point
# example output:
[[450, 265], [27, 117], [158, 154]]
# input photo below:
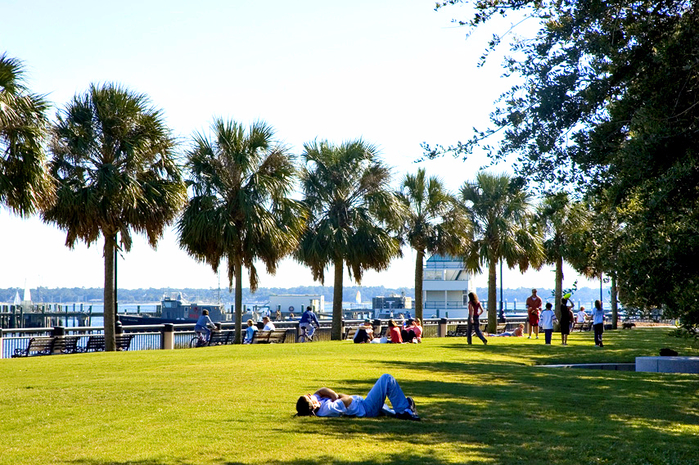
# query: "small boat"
[[176, 310]]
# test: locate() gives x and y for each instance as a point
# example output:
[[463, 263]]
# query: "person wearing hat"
[[364, 333], [327, 403]]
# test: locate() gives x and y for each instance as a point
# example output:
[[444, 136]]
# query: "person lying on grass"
[[327, 403]]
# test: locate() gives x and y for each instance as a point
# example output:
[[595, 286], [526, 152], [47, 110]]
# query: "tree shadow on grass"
[[509, 413]]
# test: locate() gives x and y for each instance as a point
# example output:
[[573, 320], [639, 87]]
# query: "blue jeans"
[[475, 326], [385, 386], [310, 330], [547, 334], [203, 329]]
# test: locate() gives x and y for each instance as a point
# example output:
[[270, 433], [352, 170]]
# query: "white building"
[[296, 303], [445, 288]]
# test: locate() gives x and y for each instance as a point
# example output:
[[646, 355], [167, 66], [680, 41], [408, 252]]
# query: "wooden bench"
[[269, 337], [582, 326], [219, 338], [277, 336], [501, 328], [96, 343], [460, 331], [37, 346], [66, 344], [350, 332]]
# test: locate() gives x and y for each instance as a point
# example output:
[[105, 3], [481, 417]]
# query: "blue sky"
[[393, 72]]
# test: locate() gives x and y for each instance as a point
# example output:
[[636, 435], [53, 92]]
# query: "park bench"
[[460, 331], [218, 338], [269, 337], [36, 346], [96, 343], [66, 344], [501, 328], [350, 332], [277, 336], [582, 326]]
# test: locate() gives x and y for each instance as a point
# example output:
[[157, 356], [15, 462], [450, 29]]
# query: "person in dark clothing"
[[475, 309], [566, 320]]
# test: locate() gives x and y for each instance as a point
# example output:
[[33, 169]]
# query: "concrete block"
[[668, 364]]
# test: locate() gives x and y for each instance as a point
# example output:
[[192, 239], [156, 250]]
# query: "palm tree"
[[500, 211], [114, 166], [240, 210], [350, 205], [564, 225], [24, 184], [434, 223]]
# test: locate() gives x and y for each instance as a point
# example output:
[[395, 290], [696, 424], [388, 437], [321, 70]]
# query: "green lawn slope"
[[235, 404]]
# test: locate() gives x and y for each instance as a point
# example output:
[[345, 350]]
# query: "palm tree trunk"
[[492, 296], [336, 334], [615, 309], [238, 302], [559, 288], [418, 283], [109, 313]]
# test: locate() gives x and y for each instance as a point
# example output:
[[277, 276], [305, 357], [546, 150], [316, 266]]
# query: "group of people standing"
[[546, 318]]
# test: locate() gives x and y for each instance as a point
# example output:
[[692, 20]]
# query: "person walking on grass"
[[475, 309], [546, 322], [533, 309], [598, 323], [327, 403], [566, 320]]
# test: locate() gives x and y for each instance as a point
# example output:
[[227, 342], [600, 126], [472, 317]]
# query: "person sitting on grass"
[[327, 403], [394, 332], [364, 333], [411, 332], [250, 332], [518, 332]]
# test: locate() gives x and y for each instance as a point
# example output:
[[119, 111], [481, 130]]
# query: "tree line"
[[144, 295], [606, 106], [107, 166]]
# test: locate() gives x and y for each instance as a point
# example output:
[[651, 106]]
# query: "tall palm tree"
[[434, 223], [565, 224], [352, 211], [500, 211], [240, 209], [25, 186], [114, 165]]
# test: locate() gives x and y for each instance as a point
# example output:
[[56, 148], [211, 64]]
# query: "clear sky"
[[393, 72]]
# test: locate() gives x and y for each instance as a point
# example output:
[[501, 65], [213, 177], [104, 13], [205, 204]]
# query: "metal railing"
[[151, 337]]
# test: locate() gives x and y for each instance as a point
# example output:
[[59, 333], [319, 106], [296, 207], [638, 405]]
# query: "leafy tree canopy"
[[609, 99]]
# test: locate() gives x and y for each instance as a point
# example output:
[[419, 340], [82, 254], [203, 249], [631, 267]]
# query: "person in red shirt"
[[534, 309], [394, 332]]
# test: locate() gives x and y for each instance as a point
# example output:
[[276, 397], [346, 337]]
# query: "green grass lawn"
[[235, 404]]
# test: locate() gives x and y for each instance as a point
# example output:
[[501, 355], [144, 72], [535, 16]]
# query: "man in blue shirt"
[[327, 403], [204, 324], [308, 319]]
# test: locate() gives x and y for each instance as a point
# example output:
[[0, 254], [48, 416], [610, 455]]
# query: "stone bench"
[[668, 364]]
